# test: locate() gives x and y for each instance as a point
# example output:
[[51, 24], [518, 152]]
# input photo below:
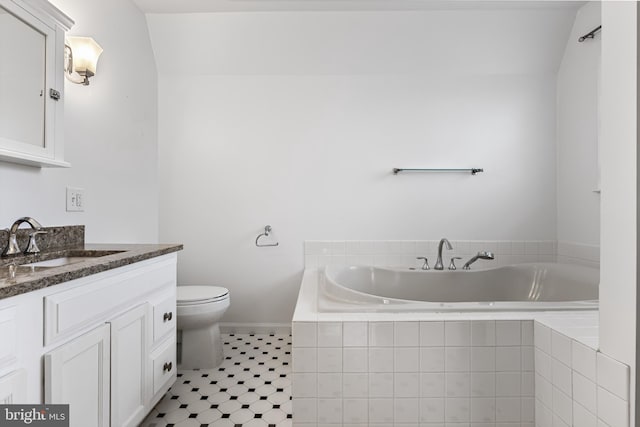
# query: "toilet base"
[[201, 348]]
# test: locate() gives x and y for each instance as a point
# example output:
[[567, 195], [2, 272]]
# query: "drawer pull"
[[167, 367], [168, 316]]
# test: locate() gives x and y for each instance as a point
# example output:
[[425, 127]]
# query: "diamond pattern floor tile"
[[252, 388]]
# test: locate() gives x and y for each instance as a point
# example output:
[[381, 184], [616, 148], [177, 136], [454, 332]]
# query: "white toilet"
[[199, 309]]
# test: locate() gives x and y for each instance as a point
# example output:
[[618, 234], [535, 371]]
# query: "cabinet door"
[[130, 385], [77, 373], [13, 388]]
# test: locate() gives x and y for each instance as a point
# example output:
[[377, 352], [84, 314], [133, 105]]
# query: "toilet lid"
[[198, 294]]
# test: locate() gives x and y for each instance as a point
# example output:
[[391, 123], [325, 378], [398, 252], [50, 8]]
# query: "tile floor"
[[252, 388]]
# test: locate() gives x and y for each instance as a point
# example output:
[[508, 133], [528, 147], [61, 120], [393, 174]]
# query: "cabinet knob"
[[167, 366], [168, 316]]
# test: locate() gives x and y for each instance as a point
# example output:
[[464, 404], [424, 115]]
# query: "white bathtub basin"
[[535, 286]]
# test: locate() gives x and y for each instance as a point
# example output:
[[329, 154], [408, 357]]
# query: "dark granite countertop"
[[96, 258]]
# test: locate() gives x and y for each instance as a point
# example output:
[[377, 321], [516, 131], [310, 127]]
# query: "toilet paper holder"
[[267, 231]]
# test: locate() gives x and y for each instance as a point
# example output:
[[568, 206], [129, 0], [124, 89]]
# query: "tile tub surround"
[[404, 252], [489, 372], [384, 373], [464, 365], [575, 385]]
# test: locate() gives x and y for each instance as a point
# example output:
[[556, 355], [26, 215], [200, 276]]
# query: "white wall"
[[577, 138], [619, 163], [110, 136], [296, 120]]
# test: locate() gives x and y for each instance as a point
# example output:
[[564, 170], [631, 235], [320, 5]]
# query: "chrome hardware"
[[54, 94], [425, 266], [479, 255], [32, 247], [167, 367], [167, 316], [591, 34], [474, 171], [12, 247], [267, 231], [452, 263], [439, 265]]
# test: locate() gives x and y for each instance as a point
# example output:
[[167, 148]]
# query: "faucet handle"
[[425, 266], [452, 263], [32, 247]]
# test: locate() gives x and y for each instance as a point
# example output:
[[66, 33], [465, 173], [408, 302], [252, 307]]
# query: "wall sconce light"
[[80, 59]]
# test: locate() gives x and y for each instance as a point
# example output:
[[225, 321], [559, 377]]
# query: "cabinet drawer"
[[164, 315], [94, 300], [164, 365]]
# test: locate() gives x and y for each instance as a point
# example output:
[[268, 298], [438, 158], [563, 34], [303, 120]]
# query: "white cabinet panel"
[[130, 380], [77, 373], [8, 337], [13, 388]]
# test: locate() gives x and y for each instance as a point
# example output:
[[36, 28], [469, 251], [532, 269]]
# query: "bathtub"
[[519, 287]]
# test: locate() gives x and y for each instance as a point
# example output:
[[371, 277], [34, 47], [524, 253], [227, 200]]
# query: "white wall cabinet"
[[32, 130], [77, 373], [110, 356]]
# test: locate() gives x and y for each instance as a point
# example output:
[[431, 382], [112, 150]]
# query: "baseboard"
[[255, 328]]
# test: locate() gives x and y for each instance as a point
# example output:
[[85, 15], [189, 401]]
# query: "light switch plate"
[[75, 199]]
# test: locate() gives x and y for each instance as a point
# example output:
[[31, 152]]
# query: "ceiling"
[[206, 6]]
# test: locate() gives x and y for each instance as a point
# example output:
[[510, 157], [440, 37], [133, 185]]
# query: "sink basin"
[[57, 262], [72, 257], [10, 272]]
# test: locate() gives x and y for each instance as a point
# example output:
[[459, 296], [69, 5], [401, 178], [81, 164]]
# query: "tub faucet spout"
[[479, 255], [439, 265]]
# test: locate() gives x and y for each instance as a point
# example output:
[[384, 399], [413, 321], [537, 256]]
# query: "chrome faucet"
[[479, 255], [439, 265], [452, 263], [12, 247], [425, 265]]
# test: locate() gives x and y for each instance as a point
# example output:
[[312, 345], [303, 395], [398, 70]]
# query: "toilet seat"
[[195, 295]]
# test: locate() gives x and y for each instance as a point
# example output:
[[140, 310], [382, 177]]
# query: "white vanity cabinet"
[[106, 344]]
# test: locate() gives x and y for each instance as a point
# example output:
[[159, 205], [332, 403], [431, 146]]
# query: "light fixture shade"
[[85, 55]]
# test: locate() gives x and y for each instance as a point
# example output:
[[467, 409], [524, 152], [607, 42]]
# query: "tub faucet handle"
[[425, 266], [452, 263]]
